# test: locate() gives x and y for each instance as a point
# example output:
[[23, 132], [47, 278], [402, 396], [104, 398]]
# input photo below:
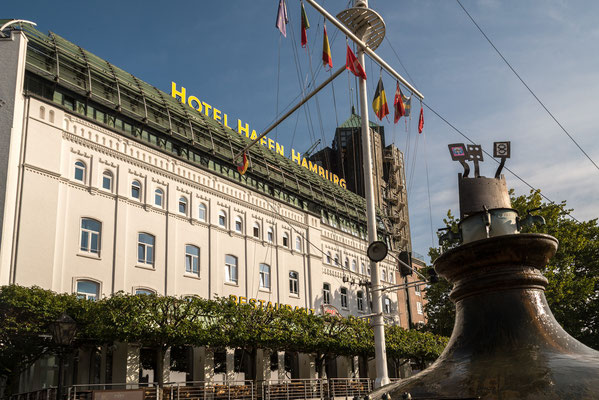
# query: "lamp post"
[[63, 332]]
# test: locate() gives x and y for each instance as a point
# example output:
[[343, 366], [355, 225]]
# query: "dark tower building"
[[344, 158]]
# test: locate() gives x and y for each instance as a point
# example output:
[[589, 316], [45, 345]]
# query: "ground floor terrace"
[[131, 372]]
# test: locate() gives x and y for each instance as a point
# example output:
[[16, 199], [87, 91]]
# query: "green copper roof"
[[69, 66], [355, 121]]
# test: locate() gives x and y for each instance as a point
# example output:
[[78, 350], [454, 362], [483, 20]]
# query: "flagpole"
[[291, 111], [364, 48], [378, 323]]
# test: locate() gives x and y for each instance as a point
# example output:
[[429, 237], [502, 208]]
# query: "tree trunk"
[[159, 372]]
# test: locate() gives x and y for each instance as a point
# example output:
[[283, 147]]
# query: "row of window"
[[91, 231], [364, 267], [326, 298], [90, 290], [136, 193]]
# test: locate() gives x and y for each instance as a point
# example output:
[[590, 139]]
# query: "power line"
[[506, 168], [527, 87]]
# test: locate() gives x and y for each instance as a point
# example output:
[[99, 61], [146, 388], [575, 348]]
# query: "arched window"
[[145, 249], [159, 198], [80, 171], [298, 243], [360, 297], [383, 275], [51, 116], [343, 297], [192, 259], [222, 219], [353, 265], [362, 268], [231, 269], [391, 277], [202, 212], [337, 264], [264, 276], [88, 290], [329, 257], [294, 282], [387, 305], [256, 232], [136, 190], [285, 239], [326, 293], [91, 231], [238, 224], [346, 263], [145, 292], [270, 235], [42, 112], [183, 205], [107, 180]]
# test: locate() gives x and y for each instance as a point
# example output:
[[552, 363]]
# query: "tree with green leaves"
[[167, 322], [573, 273]]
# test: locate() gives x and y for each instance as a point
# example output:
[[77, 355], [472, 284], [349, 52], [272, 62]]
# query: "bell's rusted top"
[[506, 343], [479, 193]]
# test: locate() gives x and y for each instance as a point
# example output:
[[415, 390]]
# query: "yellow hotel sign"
[[244, 129]]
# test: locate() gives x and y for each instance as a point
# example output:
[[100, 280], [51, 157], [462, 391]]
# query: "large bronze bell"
[[506, 343]]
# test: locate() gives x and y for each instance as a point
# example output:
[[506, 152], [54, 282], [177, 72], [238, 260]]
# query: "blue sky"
[[229, 54]]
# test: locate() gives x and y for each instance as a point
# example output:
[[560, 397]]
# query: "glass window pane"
[[84, 240], [107, 182], [87, 287], [91, 224], [141, 253], [150, 255], [94, 245]]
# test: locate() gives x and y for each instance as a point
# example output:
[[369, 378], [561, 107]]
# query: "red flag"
[[243, 167], [326, 51], [421, 121], [352, 63], [400, 110]]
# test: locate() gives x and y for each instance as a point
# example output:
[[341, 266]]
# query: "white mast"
[[367, 30]]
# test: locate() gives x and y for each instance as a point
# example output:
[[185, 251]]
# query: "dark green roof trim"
[[79, 71], [355, 121]]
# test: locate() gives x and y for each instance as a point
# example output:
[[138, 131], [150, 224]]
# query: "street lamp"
[[63, 332]]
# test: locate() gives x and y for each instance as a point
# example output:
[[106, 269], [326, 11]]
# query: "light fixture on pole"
[[63, 332], [377, 251]]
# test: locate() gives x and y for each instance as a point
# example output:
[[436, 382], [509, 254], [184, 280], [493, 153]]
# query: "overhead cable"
[[528, 87]]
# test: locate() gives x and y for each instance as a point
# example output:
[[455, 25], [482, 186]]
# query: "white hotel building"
[[108, 184]]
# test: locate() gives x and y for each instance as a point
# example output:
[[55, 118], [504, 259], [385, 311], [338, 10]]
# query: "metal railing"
[[42, 394], [86, 391], [292, 389]]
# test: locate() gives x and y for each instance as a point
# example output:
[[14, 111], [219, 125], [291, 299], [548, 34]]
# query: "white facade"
[[89, 211], [63, 172]]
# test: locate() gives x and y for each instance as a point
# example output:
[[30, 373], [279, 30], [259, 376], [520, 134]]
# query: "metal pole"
[[378, 324], [365, 48], [291, 111], [60, 372]]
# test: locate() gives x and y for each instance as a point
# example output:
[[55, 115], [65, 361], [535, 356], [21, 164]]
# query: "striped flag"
[[243, 167], [379, 104], [305, 25], [326, 50], [282, 19], [352, 63], [421, 120]]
